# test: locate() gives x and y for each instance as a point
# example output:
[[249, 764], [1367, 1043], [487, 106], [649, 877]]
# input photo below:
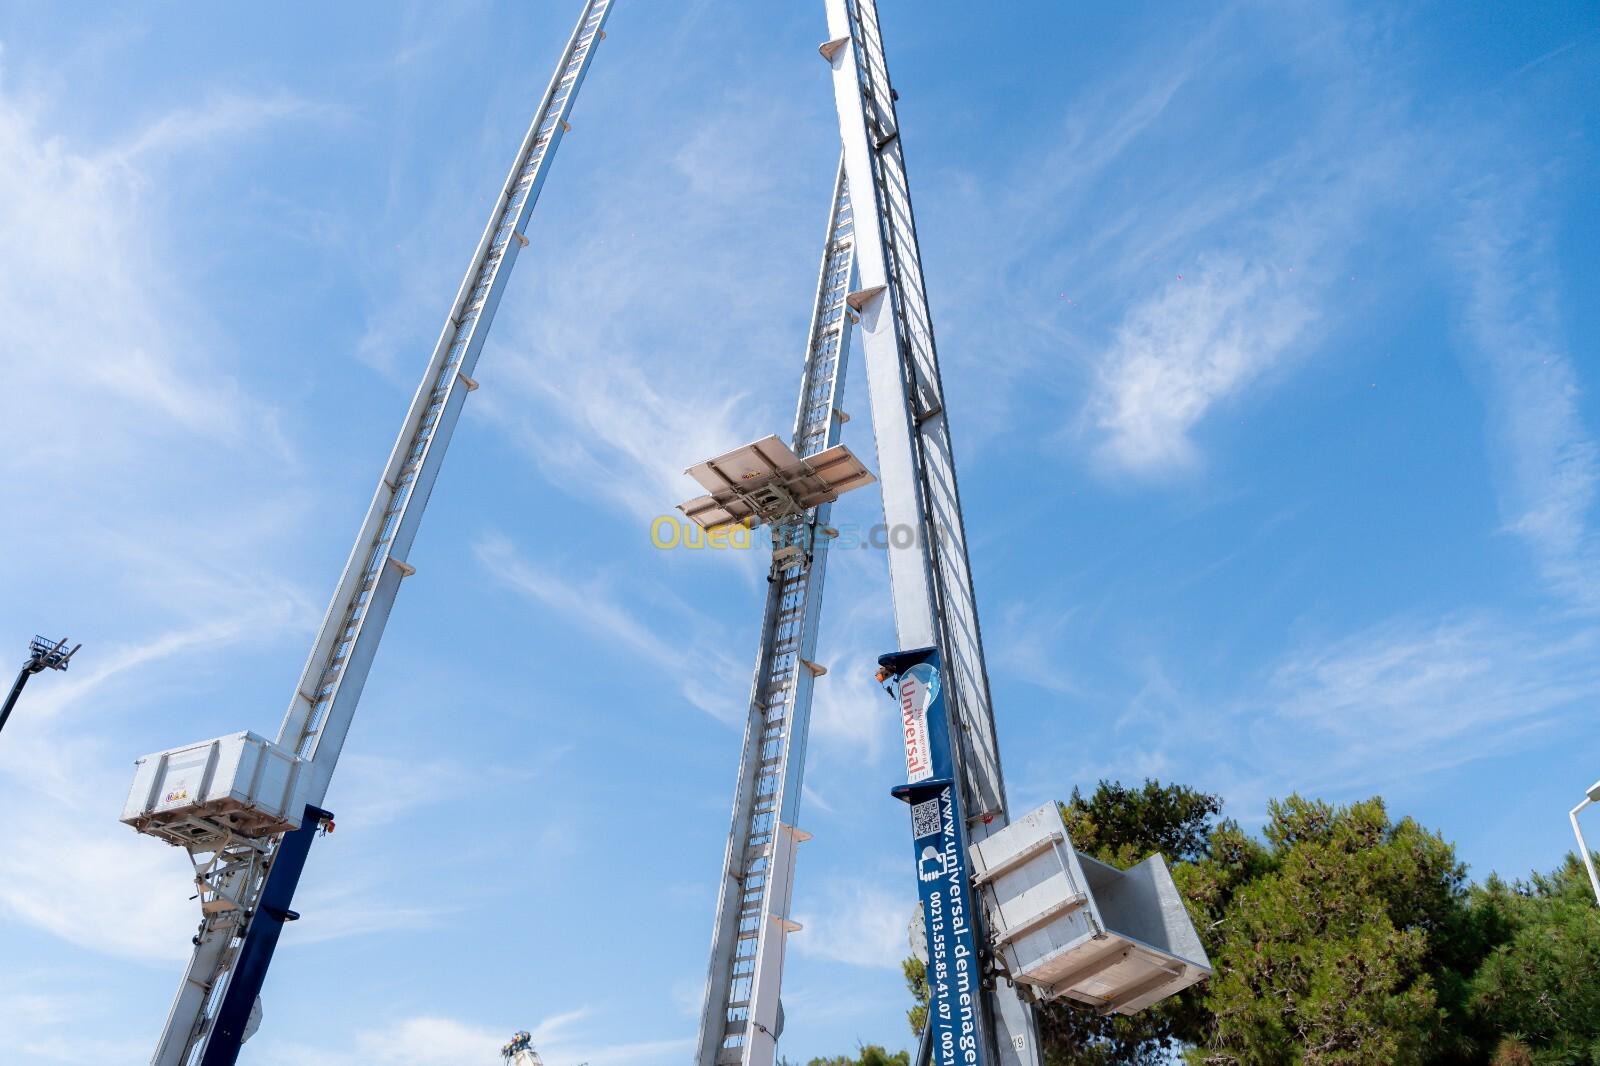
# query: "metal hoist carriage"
[[245, 808]]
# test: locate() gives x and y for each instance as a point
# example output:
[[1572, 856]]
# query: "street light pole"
[[42, 655], [1593, 796]]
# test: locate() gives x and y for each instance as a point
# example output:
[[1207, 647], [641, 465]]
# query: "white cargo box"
[[1067, 925], [238, 785]]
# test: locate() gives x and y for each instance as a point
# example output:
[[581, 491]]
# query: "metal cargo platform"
[[1070, 926]]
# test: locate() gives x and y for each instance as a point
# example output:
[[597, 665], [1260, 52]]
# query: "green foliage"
[[1541, 986], [1341, 937], [871, 1055], [1122, 825], [1512, 1052], [1336, 952], [916, 973]]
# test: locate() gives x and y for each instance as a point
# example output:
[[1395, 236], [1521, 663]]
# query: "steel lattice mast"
[[325, 699], [741, 1017], [930, 580], [1007, 904], [929, 574]]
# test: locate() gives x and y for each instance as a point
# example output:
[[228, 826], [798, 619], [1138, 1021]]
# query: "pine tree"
[[1539, 987]]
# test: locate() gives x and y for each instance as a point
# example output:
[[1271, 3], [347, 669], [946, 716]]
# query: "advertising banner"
[[939, 844]]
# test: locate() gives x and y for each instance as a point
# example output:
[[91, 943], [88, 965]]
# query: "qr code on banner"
[[925, 818]]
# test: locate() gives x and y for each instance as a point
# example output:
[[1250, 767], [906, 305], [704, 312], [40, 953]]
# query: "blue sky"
[[1270, 345]]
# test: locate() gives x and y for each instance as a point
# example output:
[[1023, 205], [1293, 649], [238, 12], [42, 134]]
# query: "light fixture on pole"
[[1593, 796], [43, 654]]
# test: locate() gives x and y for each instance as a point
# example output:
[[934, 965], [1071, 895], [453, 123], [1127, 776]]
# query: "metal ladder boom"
[[321, 709], [324, 702], [929, 574], [741, 1017]]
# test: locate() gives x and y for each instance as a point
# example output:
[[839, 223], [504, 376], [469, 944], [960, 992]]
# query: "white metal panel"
[[238, 785], [909, 578], [274, 776], [766, 1014], [185, 775], [766, 482], [233, 771], [1070, 926], [929, 575], [142, 793]]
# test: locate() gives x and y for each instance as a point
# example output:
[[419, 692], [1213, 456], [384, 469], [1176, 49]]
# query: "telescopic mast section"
[[934, 604], [741, 1017], [323, 704], [206, 1023], [929, 575]]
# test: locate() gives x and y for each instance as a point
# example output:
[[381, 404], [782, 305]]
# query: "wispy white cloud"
[[38, 1009], [430, 1041], [78, 1048], [56, 869], [640, 1052], [1026, 644], [626, 434], [361, 905], [1263, 260], [421, 1040], [849, 920], [131, 393], [1408, 697], [41, 1007], [706, 675], [1209, 334], [105, 665], [641, 331], [814, 800], [1380, 709], [851, 720], [377, 790], [1146, 277], [226, 115], [848, 714], [562, 1039], [99, 331], [1547, 460]]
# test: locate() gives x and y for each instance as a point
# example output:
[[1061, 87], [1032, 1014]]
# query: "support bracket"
[[861, 297]]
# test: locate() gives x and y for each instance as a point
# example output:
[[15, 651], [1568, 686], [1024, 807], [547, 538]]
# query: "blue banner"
[[939, 842], [947, 914]]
